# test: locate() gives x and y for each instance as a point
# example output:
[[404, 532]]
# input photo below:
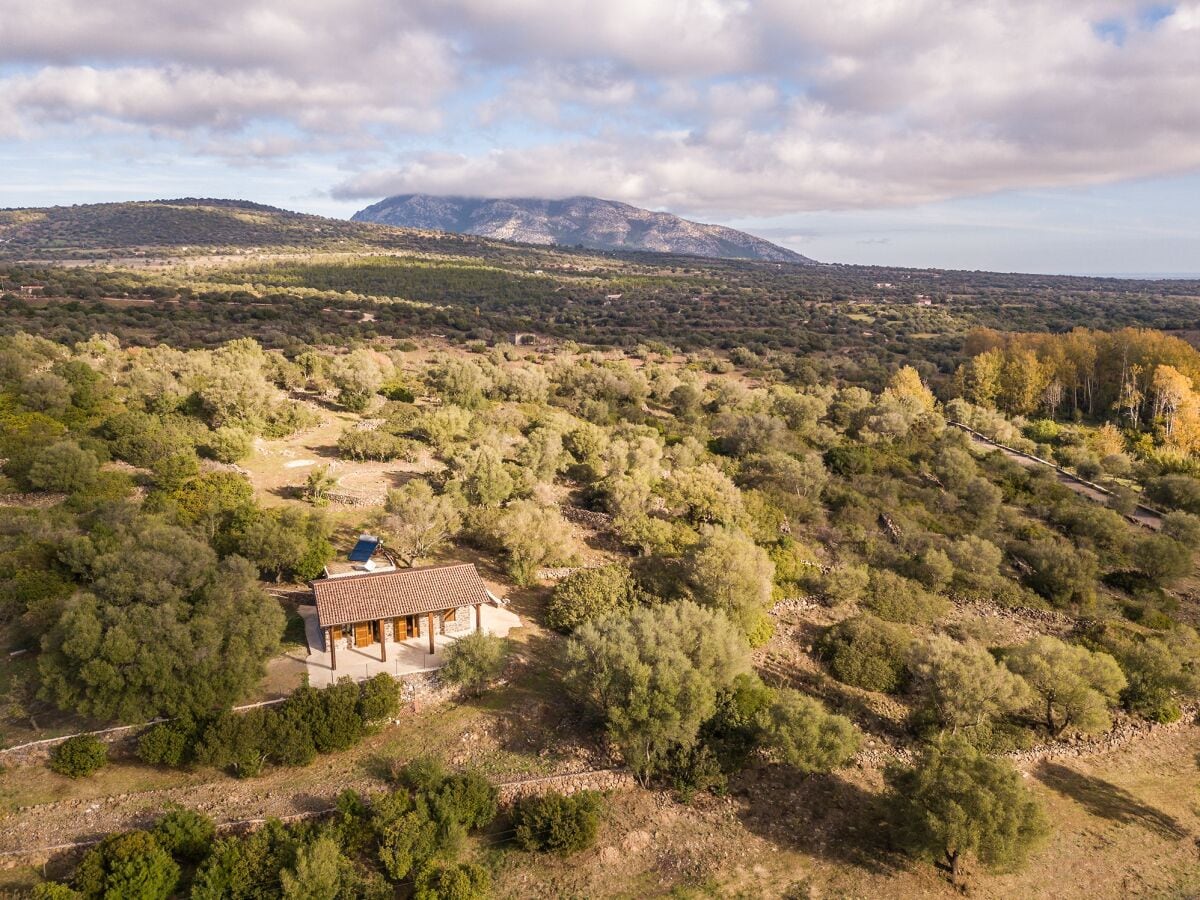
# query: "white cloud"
[[743, 107]]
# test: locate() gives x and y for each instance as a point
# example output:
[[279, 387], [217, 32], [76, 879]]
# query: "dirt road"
[[1142, 515]]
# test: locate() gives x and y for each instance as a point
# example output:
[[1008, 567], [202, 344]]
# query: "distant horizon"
[[320, 210], [1036, 137]]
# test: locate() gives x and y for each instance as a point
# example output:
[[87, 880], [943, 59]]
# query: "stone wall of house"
[[463, 621]]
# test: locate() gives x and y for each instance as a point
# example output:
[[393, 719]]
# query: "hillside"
[[189, 226], [583, 221]]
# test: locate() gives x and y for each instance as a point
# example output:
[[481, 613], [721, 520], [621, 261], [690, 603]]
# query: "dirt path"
[[1142, 515]]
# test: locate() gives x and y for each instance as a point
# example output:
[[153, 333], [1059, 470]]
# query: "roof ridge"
[[397, 571]]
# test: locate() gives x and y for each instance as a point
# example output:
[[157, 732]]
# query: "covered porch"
[[397, 655]]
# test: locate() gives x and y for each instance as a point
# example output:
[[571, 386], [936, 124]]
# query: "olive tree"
[[474, 660], [960, 686], [533, 535], [419, 522], [729, 572], [1074, 686], [807, 737], [957, 803], [653, 676]]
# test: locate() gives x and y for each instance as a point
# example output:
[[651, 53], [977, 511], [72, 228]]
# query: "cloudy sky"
[[1031, 135]]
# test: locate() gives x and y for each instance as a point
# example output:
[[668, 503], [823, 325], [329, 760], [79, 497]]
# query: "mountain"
[[191, 226], [586, 221]]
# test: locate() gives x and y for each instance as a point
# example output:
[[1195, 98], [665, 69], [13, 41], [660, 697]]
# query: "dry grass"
[[1125, 825]]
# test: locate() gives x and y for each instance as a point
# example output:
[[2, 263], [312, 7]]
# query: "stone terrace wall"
[[571, 783]]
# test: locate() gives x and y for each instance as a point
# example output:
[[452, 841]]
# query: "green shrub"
[[424, 773], [53, 890], [65, 467], [465, 800], [406, 843], [164, 744], [1183, 527], [377, 445], [868, 653], [461, 881], [1162, 559], [694, 769], [556, 823], [79, 756], [228, 444], [898, 599], [474, 660], [130, 866], [185, 834], [843, 583], [1177, 491], [378, 698], [589, 594]]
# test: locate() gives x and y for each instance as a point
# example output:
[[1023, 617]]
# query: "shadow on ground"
[[1108, 801], [824, 816]]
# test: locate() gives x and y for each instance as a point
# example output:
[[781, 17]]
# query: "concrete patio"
[[403, 657]]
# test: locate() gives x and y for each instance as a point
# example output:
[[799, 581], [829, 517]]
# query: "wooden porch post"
[[478, 617], [382, 642], [332, 649], [431, 633]]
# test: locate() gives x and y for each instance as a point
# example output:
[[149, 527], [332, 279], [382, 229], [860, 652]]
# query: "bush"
[[899, 599], [1183, 527], [465, 800], [228, 444], [53, 890], [185, 834], [164, 744], [844, 583], [65, 467], [378, 698], [79, 756], [807, 737], [131, 865], [377, 445], [1162, 559], [693, 769], [406, 843], [461, 881], [868, 653], [1176, 491], [1062, 573], [589, 594], [558, 824], [473, 661]]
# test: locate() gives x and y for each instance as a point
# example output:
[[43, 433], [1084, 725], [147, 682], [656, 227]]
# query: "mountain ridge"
[[590, 222]]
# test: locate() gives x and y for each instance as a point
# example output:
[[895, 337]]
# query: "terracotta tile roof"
[[404, 592]]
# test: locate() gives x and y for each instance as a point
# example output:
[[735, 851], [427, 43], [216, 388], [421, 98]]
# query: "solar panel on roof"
[[364, 549]]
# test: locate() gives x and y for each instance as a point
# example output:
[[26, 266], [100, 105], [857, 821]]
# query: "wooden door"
[[362, 634], [400, 629], [337, 632]]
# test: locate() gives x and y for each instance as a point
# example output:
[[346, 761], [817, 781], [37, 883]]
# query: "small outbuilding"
[[399, 605]]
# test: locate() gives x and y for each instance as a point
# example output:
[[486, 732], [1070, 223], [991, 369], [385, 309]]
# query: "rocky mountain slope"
[[586, 221]]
